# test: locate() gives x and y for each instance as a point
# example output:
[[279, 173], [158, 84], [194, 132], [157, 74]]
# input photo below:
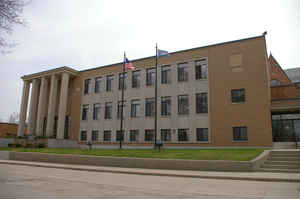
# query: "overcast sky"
[[86, 34]]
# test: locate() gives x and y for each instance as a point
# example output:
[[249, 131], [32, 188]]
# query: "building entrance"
[[286, 127]]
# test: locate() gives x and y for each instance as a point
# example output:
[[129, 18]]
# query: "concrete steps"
[[282, 161]]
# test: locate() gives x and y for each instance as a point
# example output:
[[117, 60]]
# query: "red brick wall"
[[276, 72]]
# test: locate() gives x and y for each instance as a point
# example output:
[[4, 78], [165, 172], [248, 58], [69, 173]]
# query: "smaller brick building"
[[277, 74], [8, 129]]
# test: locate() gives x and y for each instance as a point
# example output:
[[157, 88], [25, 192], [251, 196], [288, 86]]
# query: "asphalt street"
[[25, 182]]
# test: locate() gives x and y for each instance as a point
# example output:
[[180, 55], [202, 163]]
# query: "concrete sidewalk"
[[253, 176]]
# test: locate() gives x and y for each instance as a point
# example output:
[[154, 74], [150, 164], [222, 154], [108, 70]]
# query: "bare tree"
[[10, 11], [14, 118]]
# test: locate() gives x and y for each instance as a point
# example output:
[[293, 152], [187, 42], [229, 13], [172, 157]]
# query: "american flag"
[[129, 65]]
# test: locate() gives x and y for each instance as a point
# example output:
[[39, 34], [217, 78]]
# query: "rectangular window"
[[121, 77], [120, 136], [202, 134], [109, 82], [85, 111], [83, 136], [165, 105], [150, 107], [87, 83], [107, 136], [134, 135], [95, 135], [183, 74], [183, 104], [238, 95], [149, 135], [96, 112], [135, 108], [201, 69], [183, 135], [120, 109], [201, 103], [165, 74], [98, 84], [165, 135], [136, 79], [240, 133], [150, 77], [108, 110]]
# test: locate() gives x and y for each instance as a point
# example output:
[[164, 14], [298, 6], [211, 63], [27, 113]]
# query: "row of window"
[[166, 104], [182, 74], [202, 135], [237, 96]]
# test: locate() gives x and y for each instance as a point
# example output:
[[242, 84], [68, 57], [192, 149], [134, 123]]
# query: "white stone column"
[[41, 106], [33, 107], [62, 106], [51, 106], [23, 108]]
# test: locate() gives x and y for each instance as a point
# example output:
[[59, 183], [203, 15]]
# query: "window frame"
[[179, 104], [162, 136], [85, 112], [95, 134], [147, 134], [236, 97], [163, 103], [86, 87], [82, 132], [136, 79], [110, 78], [150, 76], [150, 113], [186, 131], [98, 83], [239, 130], [183, 72], [106, 114], [121, 80], [96, 116], [202, 130], [105, 136], [136, 107], [134, 133], [201, 69], [202, 103], [166, 69]]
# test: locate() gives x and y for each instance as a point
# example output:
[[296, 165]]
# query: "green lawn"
[[188, 154]]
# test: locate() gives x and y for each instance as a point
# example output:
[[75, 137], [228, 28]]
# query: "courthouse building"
[[216, 95]]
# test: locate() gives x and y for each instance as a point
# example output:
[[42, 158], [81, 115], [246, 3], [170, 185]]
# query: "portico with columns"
[[48, 100]]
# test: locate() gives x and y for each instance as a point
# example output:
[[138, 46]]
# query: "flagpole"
[[155, 120], [122, 103]]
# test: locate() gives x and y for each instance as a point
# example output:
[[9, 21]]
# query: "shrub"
[[41, 145], [10, 145], [18, 145]]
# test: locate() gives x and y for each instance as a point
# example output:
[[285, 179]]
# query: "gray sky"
[[86, 34]]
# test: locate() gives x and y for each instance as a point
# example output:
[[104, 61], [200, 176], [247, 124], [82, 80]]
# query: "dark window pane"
[[149, 135], [136, 79], [135, 108], [106, 135], [183, 104], [201, 69], [166, 106], [120, 136], [150, 77], [83, 136], [108, 110], [201, 103], [95, 135], [165, 74], [134, 135], [109, 82], [96, 112], [98, 84], [240, 134], [166, 135], [238, 95], [150, 107], [121, 79], [202, 134], [87, 83], [182, 135], [182, 72], [85, 109]]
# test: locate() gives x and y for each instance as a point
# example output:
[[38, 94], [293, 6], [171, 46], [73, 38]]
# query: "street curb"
[[154, 173]]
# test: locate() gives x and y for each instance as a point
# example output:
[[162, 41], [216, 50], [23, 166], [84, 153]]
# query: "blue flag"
[[162, 53]]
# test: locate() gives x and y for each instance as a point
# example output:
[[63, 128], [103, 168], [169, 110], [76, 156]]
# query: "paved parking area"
[[25, 182]]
